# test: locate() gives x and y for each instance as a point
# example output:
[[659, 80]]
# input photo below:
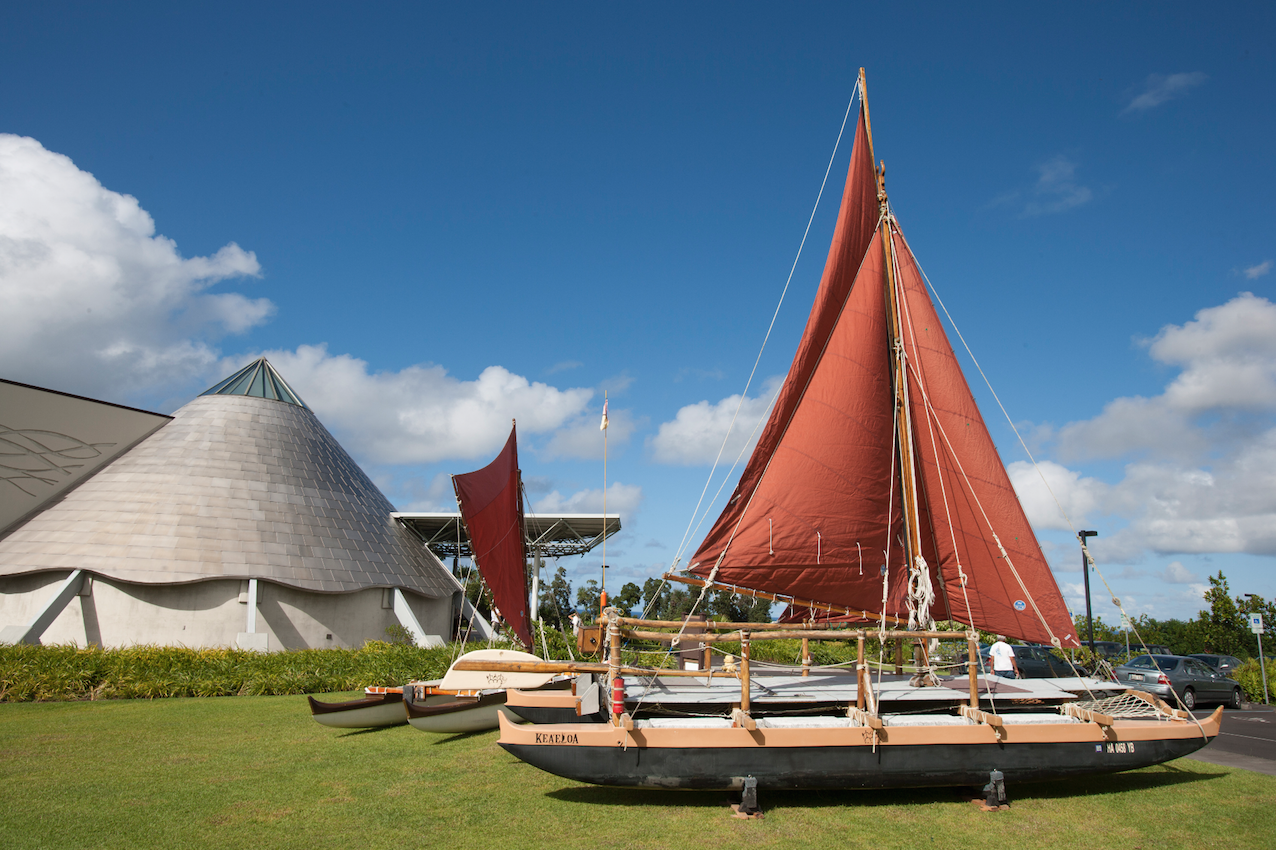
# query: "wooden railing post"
[[860, 678], [806, 656], [744, 671], [972, 667], [613, 664]]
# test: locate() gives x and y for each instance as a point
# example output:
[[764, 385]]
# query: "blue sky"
[[435, 219]]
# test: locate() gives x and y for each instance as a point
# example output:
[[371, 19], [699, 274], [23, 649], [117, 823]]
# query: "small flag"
[[603, 426]]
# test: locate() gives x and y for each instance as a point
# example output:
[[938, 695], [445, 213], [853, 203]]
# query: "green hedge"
[[41, 673]]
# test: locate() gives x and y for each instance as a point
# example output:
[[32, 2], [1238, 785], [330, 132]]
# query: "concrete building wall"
[[213, 613]]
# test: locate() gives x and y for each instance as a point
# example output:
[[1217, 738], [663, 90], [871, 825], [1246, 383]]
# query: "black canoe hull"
[[839, 767]]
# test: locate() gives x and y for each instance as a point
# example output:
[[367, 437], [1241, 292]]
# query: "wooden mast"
[[899, 371]]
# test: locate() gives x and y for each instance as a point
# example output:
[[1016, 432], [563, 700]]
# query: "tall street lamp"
[[1262, 663], [1085, 572]]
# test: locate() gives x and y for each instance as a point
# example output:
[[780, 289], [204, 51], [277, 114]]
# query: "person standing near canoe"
[[1003, 659]]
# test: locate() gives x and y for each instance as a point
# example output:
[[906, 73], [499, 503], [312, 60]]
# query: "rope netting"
[[1123, 705]]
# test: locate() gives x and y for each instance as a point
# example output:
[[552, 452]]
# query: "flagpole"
[[602, 599]]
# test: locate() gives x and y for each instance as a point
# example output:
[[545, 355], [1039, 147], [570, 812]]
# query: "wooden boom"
[[838, 610], [582, 667]]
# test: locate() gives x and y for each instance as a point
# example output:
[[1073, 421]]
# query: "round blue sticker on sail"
[[1019, 605]]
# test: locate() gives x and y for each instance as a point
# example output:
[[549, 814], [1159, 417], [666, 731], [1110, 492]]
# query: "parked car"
[[1192, 679], [1035, 662], [1225, 664], [1106, 648]]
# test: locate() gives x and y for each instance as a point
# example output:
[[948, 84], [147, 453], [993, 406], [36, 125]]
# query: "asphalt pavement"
[[1247, 739]]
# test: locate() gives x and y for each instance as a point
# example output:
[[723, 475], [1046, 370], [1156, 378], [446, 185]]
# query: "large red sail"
[[753, 532], [819, 523], [967, 495], [492, 506], [817, 513]]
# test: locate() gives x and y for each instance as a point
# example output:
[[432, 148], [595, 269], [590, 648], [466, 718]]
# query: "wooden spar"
[[714, 625], [815, 634], [806, 656], [744, 671], [868, 125], [584, 667], [899, 372], [838, 610]]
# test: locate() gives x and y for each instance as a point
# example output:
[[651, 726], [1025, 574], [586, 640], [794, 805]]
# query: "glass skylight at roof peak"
[[260, 380]]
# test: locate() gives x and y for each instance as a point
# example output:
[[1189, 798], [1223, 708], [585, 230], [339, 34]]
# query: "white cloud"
[[1056, 189], [422, 414], [623, 499], [1078, 496], [564, 366], [1162, 87], [582, 439], [79, 262], [1203, 477], [1176, 573], [695, 435], [1256, 271], [1228, 360]]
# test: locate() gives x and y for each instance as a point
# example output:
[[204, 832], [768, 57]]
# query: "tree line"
[[1221, 627], [655, 600]]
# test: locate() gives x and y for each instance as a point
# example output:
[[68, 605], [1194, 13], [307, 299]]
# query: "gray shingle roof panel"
[[234, 485]]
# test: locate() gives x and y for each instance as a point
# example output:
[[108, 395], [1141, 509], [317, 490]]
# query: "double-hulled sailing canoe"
[[839, 752], [875, 487]]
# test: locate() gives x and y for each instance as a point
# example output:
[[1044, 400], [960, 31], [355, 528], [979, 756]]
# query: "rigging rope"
[[1054, 640]]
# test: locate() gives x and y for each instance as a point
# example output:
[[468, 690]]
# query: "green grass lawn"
[[258, 772]]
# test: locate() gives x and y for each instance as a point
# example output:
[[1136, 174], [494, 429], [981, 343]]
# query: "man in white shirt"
[[1003, 659]]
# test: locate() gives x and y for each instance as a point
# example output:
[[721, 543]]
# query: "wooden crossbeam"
[[865, 718], [980, 716], [835, 610]]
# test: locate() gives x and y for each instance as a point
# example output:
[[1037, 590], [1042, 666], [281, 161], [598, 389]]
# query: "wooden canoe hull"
[[374, 711], [459, 714], [848, 758]]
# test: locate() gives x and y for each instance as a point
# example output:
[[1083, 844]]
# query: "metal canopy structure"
[[552, 535]]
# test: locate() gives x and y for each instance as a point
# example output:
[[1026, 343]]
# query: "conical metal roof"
[[236, 486], [259, 380]]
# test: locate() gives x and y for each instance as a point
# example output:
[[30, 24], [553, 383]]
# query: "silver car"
[[1190, 678]]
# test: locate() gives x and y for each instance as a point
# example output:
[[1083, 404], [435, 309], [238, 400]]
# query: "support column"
[[30, 633], [480, 623], [536, 585], [408, 620], [250, 638]]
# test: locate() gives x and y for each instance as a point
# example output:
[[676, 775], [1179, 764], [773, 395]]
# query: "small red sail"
[[492, 507], [967, 494]]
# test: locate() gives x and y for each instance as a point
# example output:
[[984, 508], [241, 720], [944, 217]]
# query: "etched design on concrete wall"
[[34, 460]]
